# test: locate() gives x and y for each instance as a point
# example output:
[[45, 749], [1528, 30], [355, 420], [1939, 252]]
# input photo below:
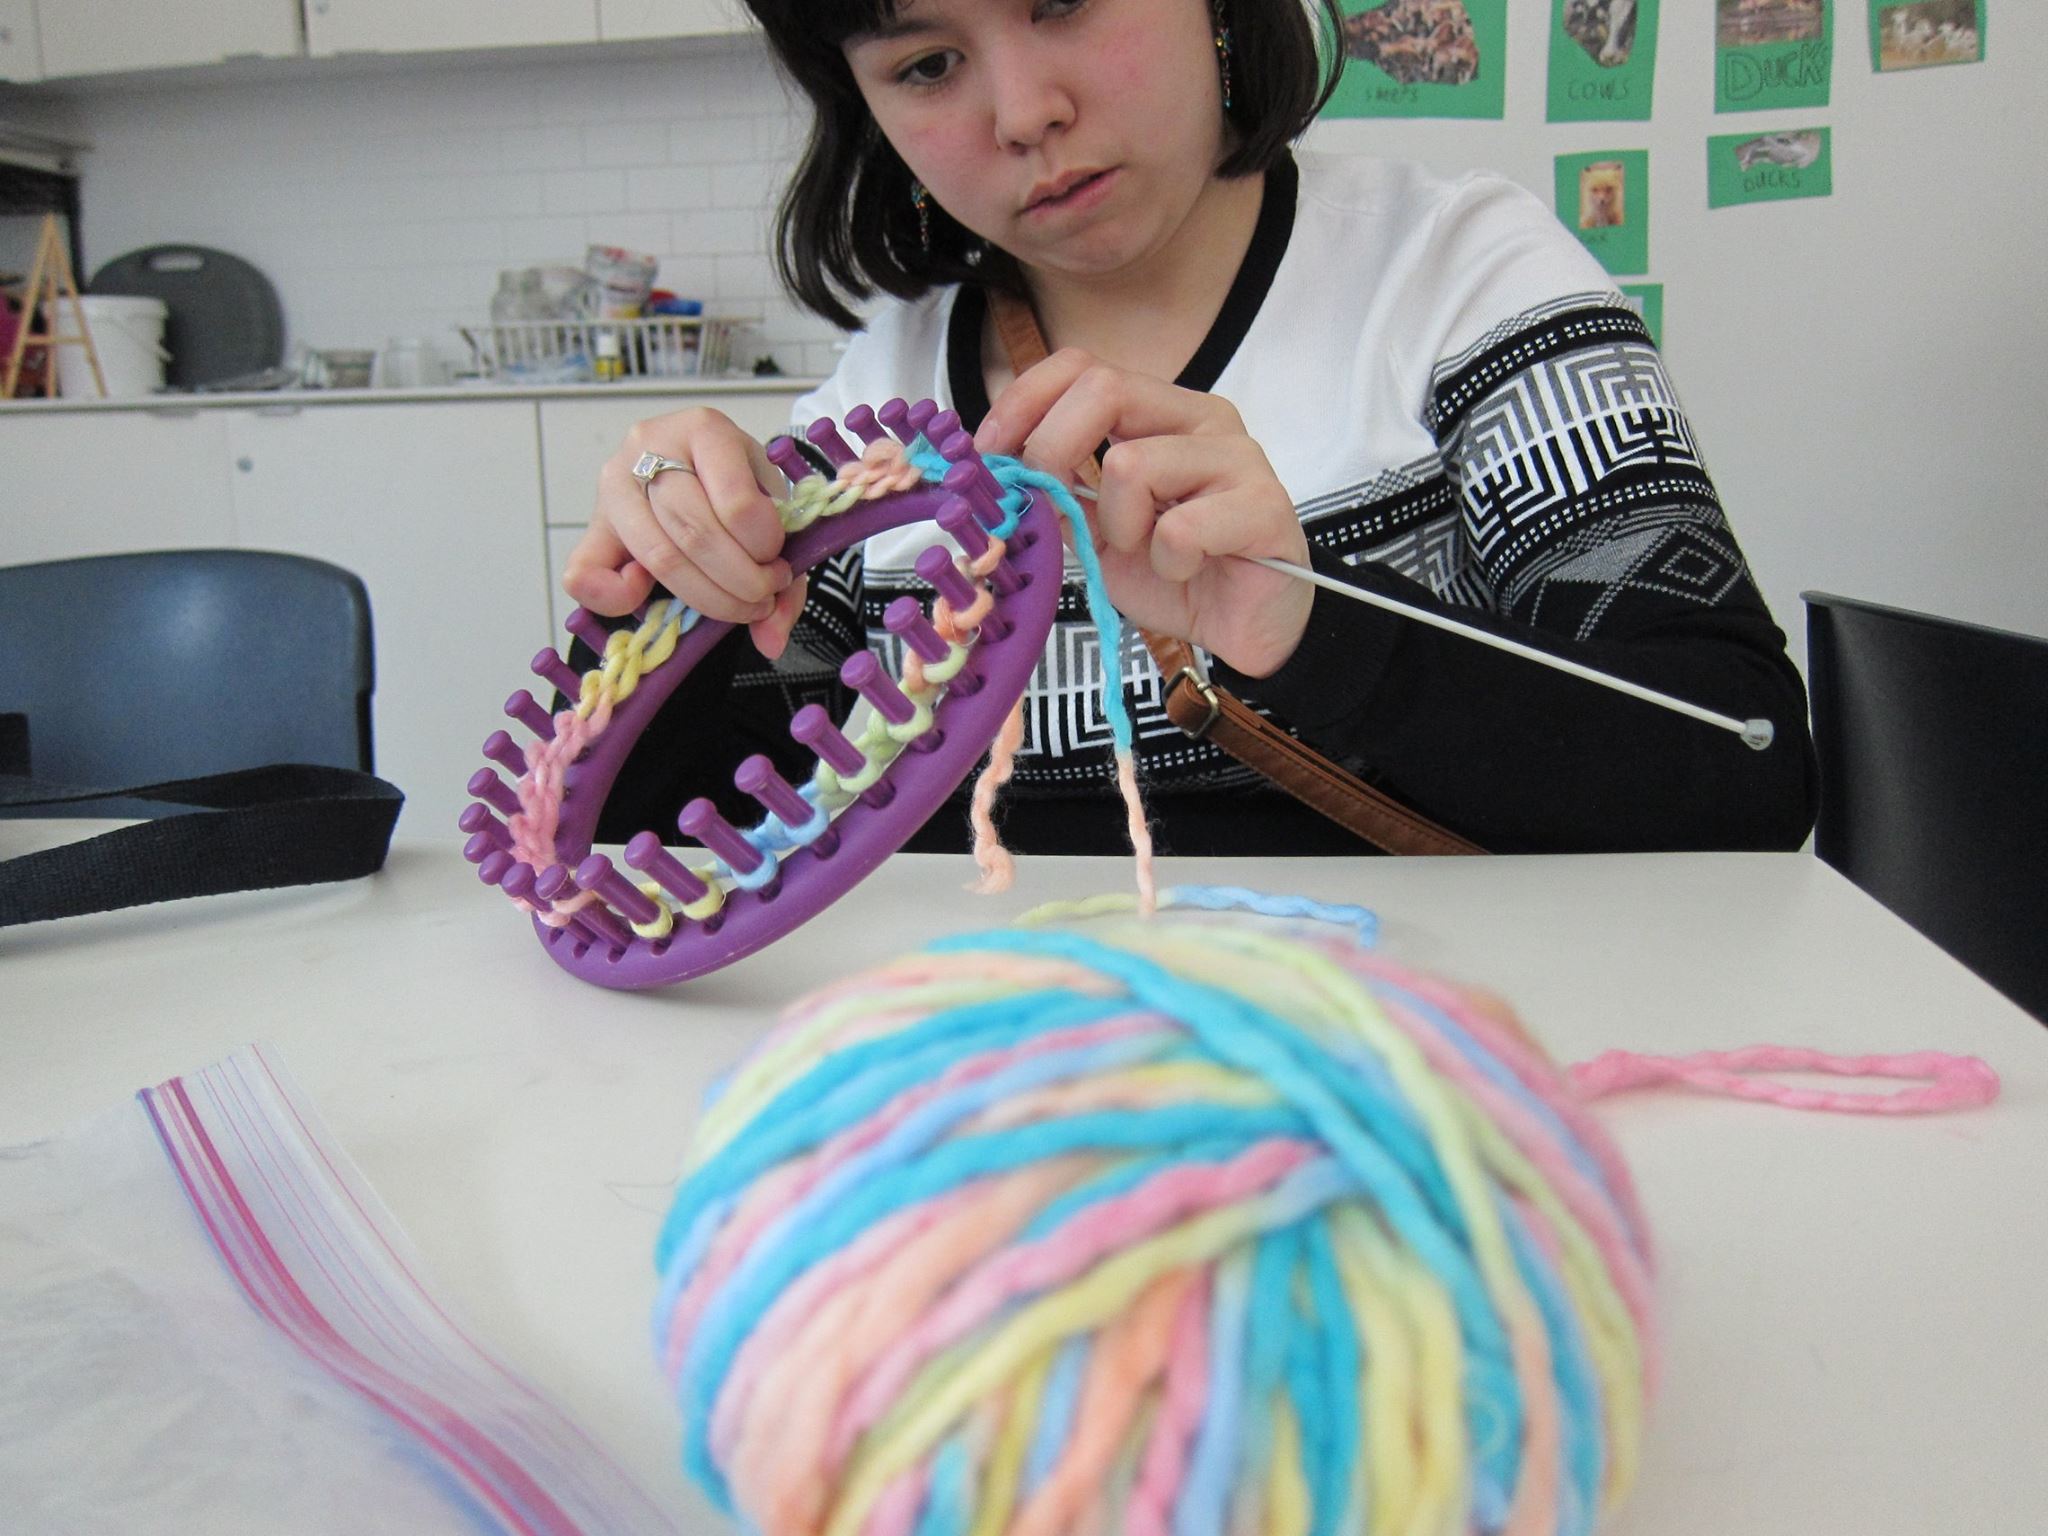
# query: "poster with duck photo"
[[1772, 54], [1925, 32], [1603, 60], [1770, 167], [1423, 58]]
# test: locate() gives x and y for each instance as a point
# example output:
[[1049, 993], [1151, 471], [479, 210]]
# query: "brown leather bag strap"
[[1209, 713]]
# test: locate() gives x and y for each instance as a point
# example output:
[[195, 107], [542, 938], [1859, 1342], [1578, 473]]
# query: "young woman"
[[1424, 387]]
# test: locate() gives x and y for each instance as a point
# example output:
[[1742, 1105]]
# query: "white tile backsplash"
[[384, 205]]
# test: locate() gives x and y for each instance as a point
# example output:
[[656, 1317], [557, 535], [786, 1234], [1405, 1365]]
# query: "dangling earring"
[[921, 200], [1223, 52]]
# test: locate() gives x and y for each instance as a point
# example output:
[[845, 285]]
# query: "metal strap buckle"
[[1208, 692]]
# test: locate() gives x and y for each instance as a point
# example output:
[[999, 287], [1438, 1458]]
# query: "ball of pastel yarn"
[[1177, 1225]]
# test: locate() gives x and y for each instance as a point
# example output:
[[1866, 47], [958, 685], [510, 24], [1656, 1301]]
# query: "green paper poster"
[[1772, 54], [1604, 199], [1647, 300], [1603, 60], [1423, 58], [1925, 32], [1769, 167]]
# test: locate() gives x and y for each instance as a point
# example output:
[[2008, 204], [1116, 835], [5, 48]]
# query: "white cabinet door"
[[435, 506], [408, 26], [619, 19], [21, 57], [108, 482], [98, 37]]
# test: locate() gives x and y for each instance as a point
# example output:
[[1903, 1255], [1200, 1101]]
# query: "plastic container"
[[128, 335]]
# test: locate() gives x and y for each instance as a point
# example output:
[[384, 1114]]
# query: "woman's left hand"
[[1183, 490]]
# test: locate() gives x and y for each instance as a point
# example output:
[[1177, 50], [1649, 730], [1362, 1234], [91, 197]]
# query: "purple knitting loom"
[[598, 943]]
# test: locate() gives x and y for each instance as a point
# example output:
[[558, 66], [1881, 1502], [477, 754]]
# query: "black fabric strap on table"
[[254, 829]]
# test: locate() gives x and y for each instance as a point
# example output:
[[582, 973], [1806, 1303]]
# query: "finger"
[[732, 468], [1144, 475], [771, 634], [1110, 405], [1022, 403], [602, 576], [1191, 534], [673, 530]]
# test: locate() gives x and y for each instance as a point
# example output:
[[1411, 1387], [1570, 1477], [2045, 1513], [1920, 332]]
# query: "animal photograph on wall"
[[1929, 32], [1606, 29], [1796, 151], [1749, 23], [1418, 42], [1603, 195]]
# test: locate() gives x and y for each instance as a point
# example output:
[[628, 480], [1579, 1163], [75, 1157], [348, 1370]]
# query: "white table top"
[[1855, 1309]]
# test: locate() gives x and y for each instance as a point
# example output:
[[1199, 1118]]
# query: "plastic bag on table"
[[210, 1323]]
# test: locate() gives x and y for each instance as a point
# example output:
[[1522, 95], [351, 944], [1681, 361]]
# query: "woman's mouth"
[[1070, 193]]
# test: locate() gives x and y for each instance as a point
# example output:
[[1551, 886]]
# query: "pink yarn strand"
[[1141, 834], [997, 867], [1952, 1082]]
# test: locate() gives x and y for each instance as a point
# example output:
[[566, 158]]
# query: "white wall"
[[385, 204], [1868, 373]]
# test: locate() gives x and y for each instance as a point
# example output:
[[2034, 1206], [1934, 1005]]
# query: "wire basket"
[[567, 351]]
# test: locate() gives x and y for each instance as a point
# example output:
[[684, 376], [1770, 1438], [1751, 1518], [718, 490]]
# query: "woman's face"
[[1074, 134]]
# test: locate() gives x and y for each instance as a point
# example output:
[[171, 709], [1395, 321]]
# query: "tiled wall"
[[385, 204]]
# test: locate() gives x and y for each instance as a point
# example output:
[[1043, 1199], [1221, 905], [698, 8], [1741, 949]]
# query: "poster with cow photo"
[[1603, 60], [1423, 58]]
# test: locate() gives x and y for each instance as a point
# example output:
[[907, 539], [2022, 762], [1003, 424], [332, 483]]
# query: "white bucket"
[[128, 334]]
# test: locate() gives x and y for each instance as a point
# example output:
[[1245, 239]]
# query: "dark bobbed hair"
[[847, 228]]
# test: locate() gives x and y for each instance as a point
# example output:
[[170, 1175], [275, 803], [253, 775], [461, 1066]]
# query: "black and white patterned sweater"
[[1468, 417]]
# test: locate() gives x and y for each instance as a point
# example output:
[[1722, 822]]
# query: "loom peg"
[[589, 628], [921, 414], [813, 728], [784, 454], [757, 777], [549, 667], [957, 517], [603, 925], [501, 749], [866, 676], [700, 820], [525, 708], [824, 434], [485, 785], [646, 854], [862, 423], [476, 819], [479, 847], [895, 415], [598, 875], [906, 621], [959, 451], [936, 566]]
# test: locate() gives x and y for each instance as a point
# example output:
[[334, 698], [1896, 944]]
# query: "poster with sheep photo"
[[1925, 32], [1603, 60], [1423, 58]]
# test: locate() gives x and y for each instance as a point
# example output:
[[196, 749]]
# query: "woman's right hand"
[[709, 534]]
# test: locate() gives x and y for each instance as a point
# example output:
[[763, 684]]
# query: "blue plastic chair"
[[140, 668]]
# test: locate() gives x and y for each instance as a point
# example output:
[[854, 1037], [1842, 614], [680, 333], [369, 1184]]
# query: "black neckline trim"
[[1248, 290]]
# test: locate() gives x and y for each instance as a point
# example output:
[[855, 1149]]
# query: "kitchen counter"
[[184, 401]]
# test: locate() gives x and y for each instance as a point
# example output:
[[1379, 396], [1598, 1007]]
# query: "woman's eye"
[[929, 69]]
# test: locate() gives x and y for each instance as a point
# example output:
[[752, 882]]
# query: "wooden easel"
[[50, 281]]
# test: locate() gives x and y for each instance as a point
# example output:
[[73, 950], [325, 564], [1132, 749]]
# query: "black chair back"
[[1932, 736], [139, 668]]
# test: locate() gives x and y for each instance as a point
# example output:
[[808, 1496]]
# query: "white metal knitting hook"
[[1755, 734]]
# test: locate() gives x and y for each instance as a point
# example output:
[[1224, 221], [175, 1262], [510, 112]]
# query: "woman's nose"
[[1030, 102]]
